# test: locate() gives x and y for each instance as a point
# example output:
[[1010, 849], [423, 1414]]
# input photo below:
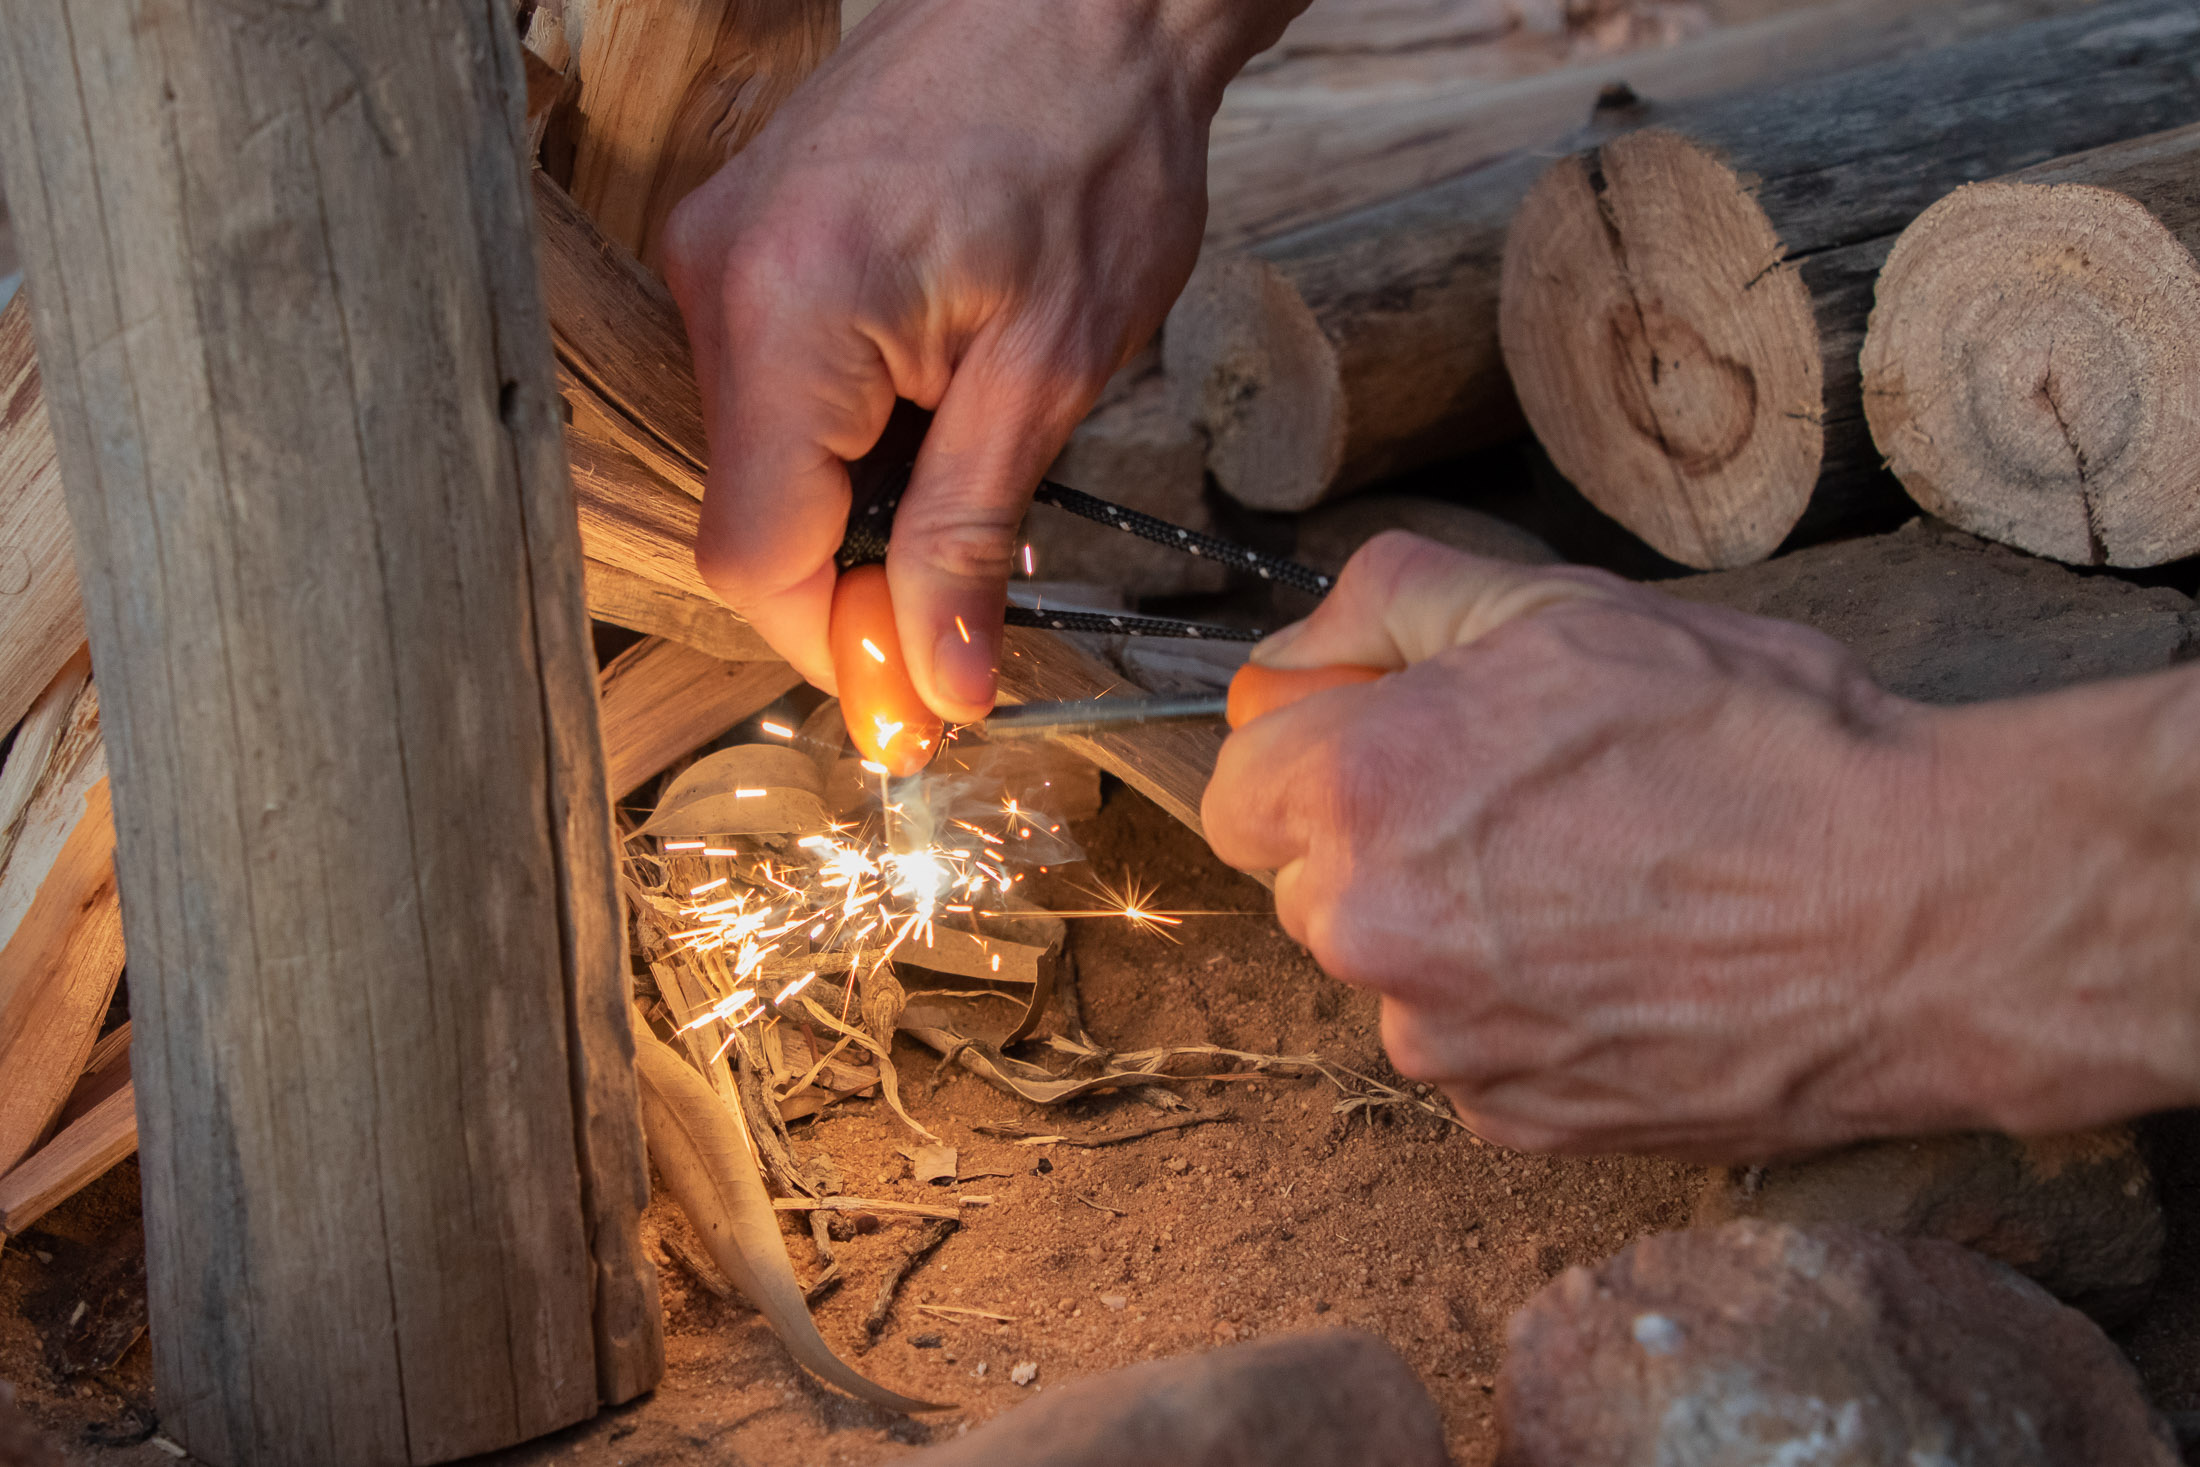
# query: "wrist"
[[1213, 39], [2058, 950]]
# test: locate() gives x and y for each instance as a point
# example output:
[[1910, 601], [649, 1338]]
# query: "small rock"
[[1311, 1400], [1761, 1342], [1045, 1165], [979, 1371], [2078, 1215], [1115, 1301], [926, 1342], [1178, 1165], [1023, 1372]]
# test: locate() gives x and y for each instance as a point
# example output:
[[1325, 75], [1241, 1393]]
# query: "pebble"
[[1115, 1301], [1024, 1372], [1178, 1165], [926, 1342]]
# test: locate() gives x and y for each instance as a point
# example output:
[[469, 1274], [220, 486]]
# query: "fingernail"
[[1277, 643], [963, 662]]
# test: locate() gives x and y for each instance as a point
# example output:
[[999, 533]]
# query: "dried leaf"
[[704, 1157], [889, 1079], [752, 789], [933, 1164]]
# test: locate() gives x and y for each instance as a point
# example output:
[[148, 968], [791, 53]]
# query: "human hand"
[[977, 205], [1636, 874]]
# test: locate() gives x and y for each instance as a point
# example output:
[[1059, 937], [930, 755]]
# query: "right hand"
[[982, 206]]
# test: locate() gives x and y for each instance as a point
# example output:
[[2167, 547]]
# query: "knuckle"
[[970, 541]]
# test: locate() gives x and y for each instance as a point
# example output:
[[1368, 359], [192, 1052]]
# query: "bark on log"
[[1338, 356], [41, 614], [393, 1171], [1282, 159], [661, 700], [671, 89], [60, 923], [1686, 343], [2032, 372]]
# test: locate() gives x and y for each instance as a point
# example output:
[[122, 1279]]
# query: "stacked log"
[[1330, 357], [1683, 306], [2032, 371]]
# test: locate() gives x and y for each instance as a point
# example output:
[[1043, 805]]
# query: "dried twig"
[[934, 1234], [1025, 1136], [865, 1204], [958, 1311]]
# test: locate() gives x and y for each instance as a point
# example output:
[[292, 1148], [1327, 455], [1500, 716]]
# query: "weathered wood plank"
[[392, 1166]]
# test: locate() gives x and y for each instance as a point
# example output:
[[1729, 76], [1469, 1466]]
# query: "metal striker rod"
[[1046, 720]]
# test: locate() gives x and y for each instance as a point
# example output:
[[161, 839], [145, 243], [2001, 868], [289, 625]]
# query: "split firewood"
[[2030, 369], [1685, 342], [1284, 157], [671, 89], [60, 918], [79, 1154], [660, 700], [41, 609]]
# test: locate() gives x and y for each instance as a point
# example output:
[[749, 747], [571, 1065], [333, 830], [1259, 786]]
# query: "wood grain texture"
[[296, 362], [627, 600], [41, 609], [60, 925], [671, 89], [2032, 372], [1699, 438], [80, 1155], [661, 700], [1286, 157]]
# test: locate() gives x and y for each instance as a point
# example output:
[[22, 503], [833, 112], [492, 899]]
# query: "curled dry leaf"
[[705, 1160], [751, 789]]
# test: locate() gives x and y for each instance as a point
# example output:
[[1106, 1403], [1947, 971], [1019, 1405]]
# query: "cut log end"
[[2030, 368], [1254, 367], [1664, 351]]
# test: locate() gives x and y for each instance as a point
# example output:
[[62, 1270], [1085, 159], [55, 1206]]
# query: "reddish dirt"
[[1287, 1217]]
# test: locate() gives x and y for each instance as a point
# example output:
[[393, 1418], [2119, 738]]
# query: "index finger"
[[1402, 599]]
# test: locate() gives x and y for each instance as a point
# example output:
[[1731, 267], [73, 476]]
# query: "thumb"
[[1402, 599], [994, 434]]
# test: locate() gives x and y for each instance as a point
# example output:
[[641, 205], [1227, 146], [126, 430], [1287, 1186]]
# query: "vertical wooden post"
[[300, 378]]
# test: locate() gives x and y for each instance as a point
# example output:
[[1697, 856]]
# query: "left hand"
[[1629, 873]]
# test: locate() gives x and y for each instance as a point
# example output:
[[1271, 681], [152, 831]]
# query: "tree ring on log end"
[[1252, 366], [1664, 351], [2032, 372]]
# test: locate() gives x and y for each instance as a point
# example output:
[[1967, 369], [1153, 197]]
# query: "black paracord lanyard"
[[881, 478]]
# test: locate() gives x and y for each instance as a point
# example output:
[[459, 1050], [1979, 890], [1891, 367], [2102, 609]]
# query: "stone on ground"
[[1830, 1346], [1327, 1399], [2078, 1215]]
